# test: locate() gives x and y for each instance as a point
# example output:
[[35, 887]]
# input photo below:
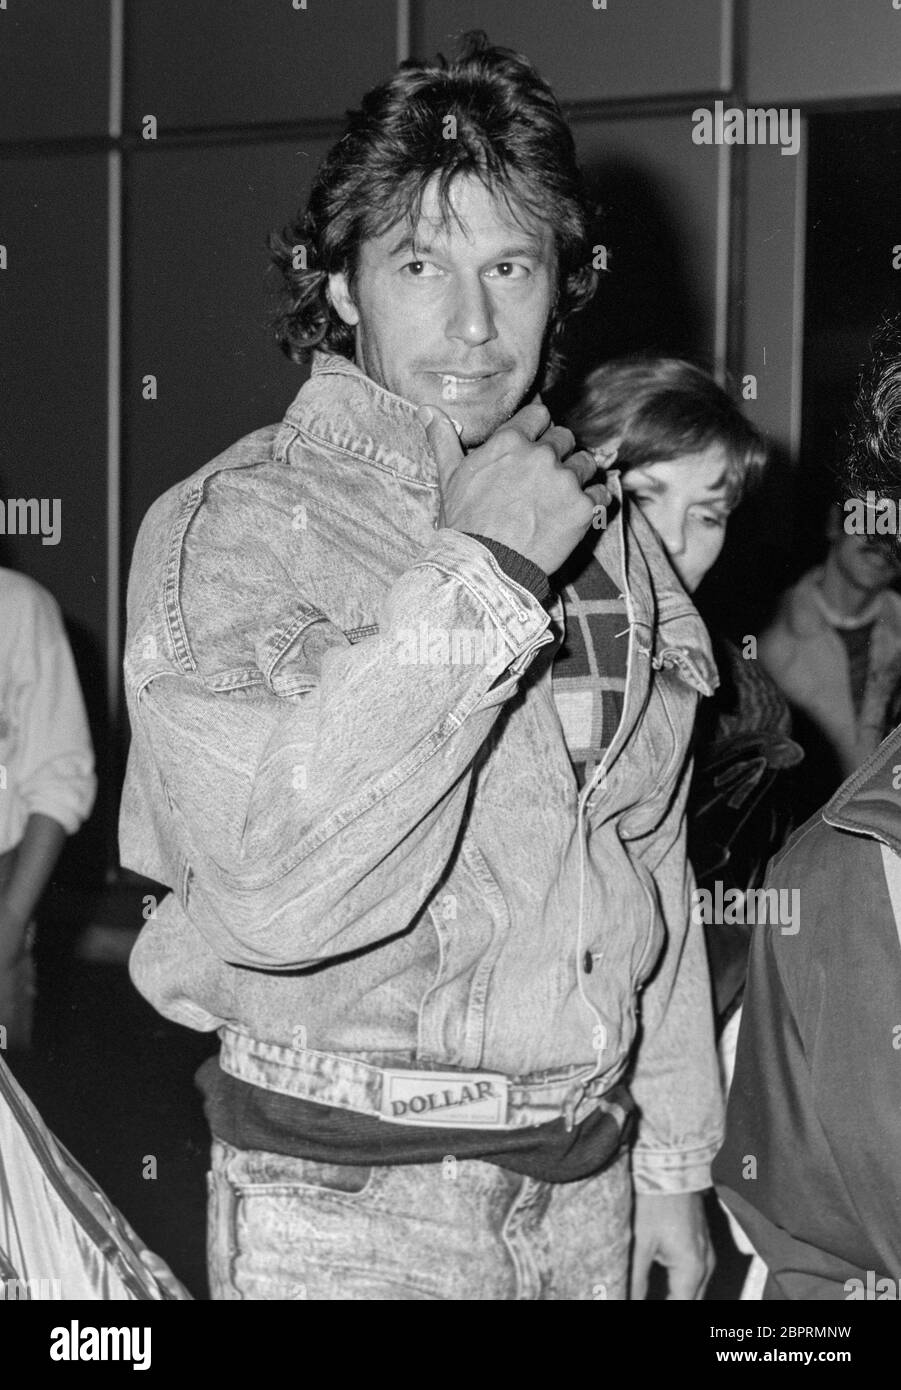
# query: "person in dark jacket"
[[810, 1166]]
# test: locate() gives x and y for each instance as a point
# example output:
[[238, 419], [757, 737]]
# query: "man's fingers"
[[443, 441], [688, 1275], [686, 1282], [561, 440], [531, 420], [641, 1265], [583, 464], [600, 494]]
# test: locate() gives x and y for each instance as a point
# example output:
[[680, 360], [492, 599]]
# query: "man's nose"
[[472, 317]]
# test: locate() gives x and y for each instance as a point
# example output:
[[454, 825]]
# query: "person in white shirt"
[[47, 781], [834, 650]]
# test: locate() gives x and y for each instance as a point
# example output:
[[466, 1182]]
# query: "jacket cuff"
[[672, 1172], [517, 567], [524, 622]]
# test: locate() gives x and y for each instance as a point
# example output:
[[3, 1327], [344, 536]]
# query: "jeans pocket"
[[261, 1170], [289, 1228], [347, 1179], [256, 1172]]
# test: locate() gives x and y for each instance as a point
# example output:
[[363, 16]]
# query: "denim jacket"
[[378, 852]]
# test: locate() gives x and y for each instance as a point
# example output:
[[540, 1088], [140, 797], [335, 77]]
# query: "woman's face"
[[684, 499]]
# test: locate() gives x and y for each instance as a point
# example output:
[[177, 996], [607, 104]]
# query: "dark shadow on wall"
[[644, 302], [851, 281], [853, 226], [739, 595]]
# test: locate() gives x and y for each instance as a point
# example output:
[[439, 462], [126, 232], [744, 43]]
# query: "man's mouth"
[[464, 376], [460, 385]]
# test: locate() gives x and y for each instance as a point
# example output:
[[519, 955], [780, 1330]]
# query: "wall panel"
[[54, 69], [198, 298], [773, 297], [812, 50], [245, 62], [53, 363], [637, 49], [657, 194]]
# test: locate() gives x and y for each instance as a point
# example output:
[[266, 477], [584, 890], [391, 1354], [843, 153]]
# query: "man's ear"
[[339, 294]]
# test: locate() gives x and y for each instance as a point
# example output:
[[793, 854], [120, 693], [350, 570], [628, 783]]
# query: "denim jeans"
[[293, 1228]]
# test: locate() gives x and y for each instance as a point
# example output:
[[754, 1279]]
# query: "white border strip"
[[116, 61], [799, 258], [727, 45], [723, 262], [404, 30]]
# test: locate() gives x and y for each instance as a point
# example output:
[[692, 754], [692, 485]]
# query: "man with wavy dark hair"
[[415, 139], [428, 864], [810, 1163]]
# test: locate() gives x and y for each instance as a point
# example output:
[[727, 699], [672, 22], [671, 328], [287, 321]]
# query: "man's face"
[[455, 316]]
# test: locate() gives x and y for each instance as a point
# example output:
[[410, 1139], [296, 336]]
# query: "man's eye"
[[420, 270], [710, 519], [509, 270]]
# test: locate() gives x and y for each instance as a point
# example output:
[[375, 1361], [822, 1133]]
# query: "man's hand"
[[522, 487], [670, 1229]]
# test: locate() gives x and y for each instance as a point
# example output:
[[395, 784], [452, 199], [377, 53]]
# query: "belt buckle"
[[449, 1099]]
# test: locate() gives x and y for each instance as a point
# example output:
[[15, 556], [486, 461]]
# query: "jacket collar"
[[682, 640], [342, 407], [868, 803]]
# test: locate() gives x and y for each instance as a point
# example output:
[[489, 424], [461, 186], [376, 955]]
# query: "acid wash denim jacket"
[[379, 857]]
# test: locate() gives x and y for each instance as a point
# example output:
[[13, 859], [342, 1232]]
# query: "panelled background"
[[128, 256]]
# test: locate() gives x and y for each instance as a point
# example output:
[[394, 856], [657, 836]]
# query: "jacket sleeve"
[[775, 1171], [676, 1080], [302, 827]]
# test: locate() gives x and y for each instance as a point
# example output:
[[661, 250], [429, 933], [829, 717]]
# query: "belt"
[[403, 1095]]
